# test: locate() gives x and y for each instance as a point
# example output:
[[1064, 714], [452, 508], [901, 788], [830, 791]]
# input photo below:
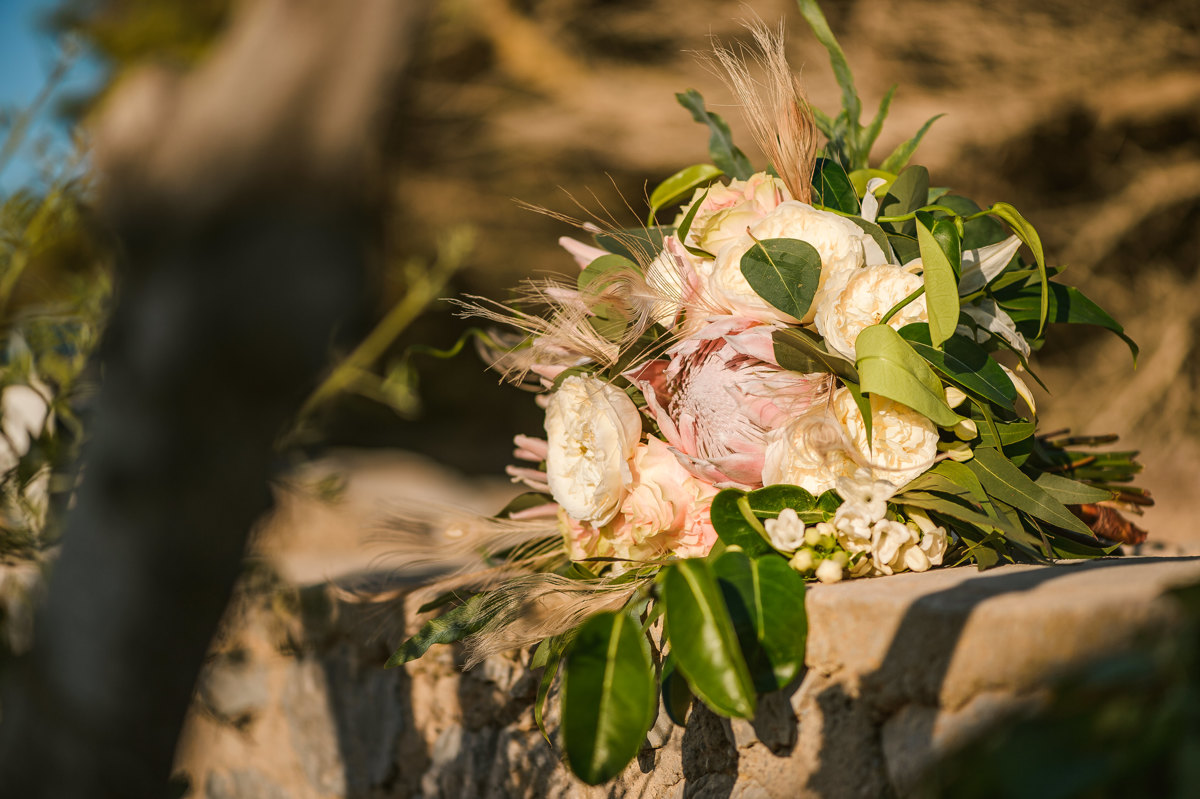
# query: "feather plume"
[[776, 108]]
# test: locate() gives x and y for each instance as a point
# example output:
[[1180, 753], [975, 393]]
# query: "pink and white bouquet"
[[813, 370]]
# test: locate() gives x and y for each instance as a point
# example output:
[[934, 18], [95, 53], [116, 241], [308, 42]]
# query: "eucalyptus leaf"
[[800, 351], [703, 640], [1007, 483], [941, 285], [609, 696], [603, 269], [765, 598], [784, 272], [728, 158], [770, 500], [679, 185], [891, 368]]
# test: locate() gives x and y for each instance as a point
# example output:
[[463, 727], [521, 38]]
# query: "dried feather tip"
[[776, 107]]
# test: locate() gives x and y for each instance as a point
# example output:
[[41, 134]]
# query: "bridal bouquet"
[[813, 370]]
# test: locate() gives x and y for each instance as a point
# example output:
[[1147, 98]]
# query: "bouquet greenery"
[[816, 371]]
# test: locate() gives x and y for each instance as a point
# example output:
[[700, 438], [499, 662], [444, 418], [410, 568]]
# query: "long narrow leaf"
[[941, 286]]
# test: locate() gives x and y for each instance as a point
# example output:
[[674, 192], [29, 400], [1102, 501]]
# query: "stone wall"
[[295, 703]]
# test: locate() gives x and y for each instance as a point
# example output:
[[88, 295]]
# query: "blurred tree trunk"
[[242, 196]]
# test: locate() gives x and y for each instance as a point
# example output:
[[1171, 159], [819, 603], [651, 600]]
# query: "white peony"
[[863, 301], [727, 211], [813, 453], [841, 244], [591, 430]]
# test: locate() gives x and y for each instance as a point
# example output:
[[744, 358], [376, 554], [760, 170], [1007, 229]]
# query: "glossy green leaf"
[[1009, 432], [1071, 492], [1026, 233], [721, 149], [784, 272], [609, 696], [735, 522], [909, 192], [978, 232], [677, 697], [685, 227], [604, 269], [891, 368], [800, 351], [769, 501], [454, 625], [548, 656], [941, 283], [905, 247], [1067, 305], [765, 598], [703, 640], [965, 363], [899, 157], [679, 185], [859, 178], [832, 187], [1007, 483]]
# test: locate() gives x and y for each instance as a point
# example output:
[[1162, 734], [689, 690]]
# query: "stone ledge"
[[901, 670]]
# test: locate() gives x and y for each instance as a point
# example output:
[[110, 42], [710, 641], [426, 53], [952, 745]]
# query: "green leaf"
[[454, 625], [891, 368], [769, 501], [606, 266], [721, 149], [876, 232], [677, 697], [1071, 492], [1067, 305], [703, 639], [735, 522], [905, 247], [784, 272], [899, 157], [678, 185], [765, 598], [1010, 433], [871, 132], [685, 227], [1026, 233], [1007, 483], [832, 187], [608, 696], [941, 284], [800, 351], [634, 242], [978, 232], [909, 192], [965, 363], [851, 105], [548, 656], [859, 178], [864, 409]]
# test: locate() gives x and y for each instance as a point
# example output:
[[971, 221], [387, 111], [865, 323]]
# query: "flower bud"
[[829, 571], [802, 561]]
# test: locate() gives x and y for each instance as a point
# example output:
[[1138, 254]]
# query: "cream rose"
[[812, 455], [591, 430], [727, 211], [841, 244], [863, 301]]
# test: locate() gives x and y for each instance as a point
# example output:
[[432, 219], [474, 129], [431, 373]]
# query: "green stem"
[[887, 317], [913, 214]]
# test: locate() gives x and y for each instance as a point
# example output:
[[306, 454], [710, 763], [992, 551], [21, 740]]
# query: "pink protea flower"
[[718, 393]]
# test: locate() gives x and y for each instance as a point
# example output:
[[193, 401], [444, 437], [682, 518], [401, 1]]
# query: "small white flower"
[[829, 571], [786, 532], [591, 431], [864, 300], [955, 396], [889, 544]]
